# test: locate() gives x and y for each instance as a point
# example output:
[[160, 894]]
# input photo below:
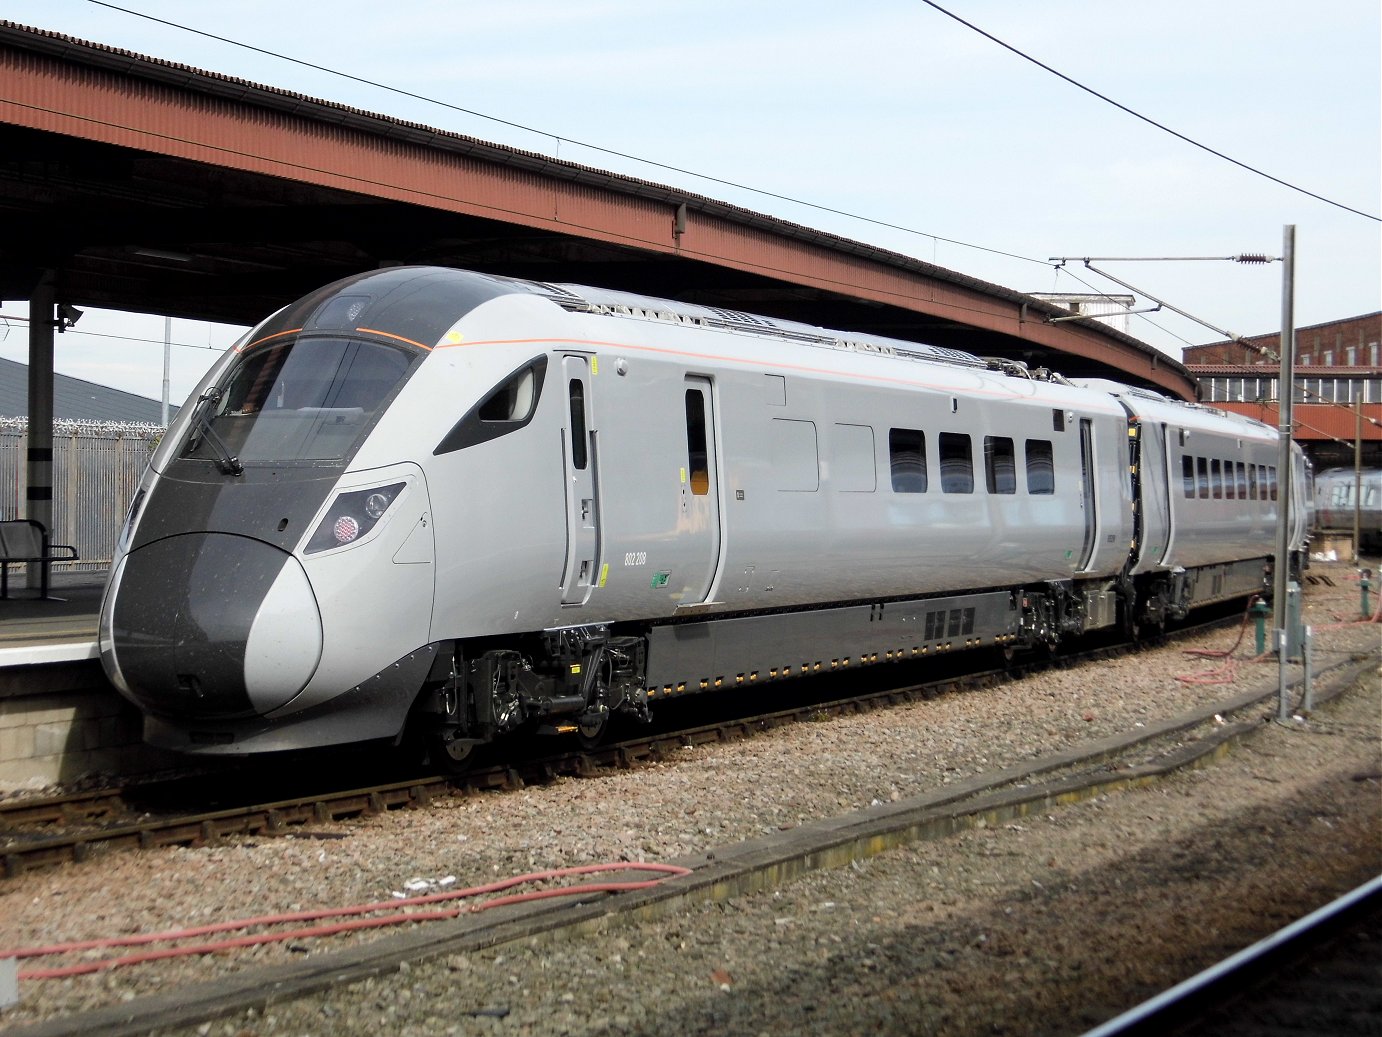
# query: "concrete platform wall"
[[61, 722]]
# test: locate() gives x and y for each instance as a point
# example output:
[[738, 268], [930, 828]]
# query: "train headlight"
[[351, 516], [346, 529], [376, 504]]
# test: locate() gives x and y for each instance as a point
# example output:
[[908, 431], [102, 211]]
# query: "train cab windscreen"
[[304, 400]]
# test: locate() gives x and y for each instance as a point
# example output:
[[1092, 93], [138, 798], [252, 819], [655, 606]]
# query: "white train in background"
[[435, 500]]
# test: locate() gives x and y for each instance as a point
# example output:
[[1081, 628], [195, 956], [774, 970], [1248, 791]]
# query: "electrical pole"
[[1286, 397], [167, 362]]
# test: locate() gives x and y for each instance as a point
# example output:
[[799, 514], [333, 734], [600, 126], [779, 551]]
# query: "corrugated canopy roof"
[[75, 399]]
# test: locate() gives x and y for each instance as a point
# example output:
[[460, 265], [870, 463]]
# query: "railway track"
[[986, 800], [24, 825], [1318, 977], [45, 832]]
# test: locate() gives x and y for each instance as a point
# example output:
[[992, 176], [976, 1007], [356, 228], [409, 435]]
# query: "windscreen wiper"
[[227, 462]]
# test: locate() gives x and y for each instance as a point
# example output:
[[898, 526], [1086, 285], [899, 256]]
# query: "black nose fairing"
[[182, 617]]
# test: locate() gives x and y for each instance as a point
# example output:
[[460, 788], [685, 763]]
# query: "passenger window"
[[907, 457], [957, 463], [1000, 465], [1242, 481], [1202, 470], [1252, 482], [506, 408], [1216, 479], [698, 456], [1187, 472], [1271, 481], [1041, 467]]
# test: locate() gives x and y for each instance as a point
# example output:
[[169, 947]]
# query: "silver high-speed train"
[[446, 502]]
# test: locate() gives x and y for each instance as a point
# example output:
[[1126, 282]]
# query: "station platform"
[[60, 628], [61, 721]]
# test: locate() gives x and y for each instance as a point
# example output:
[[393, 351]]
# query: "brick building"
[[1337, 378]]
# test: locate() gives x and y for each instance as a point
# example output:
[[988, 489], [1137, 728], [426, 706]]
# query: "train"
[[436, 503], [1344, 498]]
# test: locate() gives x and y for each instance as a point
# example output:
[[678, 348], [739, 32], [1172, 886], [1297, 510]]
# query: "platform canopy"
[[133, 183]]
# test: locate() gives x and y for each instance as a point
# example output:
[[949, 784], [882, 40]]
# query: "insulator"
[[1253, 257]]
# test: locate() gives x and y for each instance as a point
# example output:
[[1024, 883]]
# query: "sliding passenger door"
[[1088, 498], [580, 447], [1166, 475]]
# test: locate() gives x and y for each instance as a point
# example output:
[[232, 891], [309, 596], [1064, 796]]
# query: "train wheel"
[[592, 727], [453, 753]]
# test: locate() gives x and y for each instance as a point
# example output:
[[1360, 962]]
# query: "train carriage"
[[1347, 499]]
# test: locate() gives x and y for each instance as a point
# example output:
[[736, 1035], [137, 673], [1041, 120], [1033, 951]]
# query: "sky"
[[883, 121]]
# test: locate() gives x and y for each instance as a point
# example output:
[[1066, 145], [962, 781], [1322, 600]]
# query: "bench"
[[26, 540]]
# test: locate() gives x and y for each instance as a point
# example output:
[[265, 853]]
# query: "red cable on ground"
[[359, 923], [1228, 672]]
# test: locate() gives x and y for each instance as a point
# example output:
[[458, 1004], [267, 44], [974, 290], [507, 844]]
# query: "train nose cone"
[[211, 625]]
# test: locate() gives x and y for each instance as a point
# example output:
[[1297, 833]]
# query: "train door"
[[582, 484], [1165, 490], [1088, 498], [699, 526]]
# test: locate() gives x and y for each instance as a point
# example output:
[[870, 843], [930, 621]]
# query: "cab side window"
[[506, 408]]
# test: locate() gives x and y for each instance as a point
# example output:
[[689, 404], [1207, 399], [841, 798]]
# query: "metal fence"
[[96, 470]]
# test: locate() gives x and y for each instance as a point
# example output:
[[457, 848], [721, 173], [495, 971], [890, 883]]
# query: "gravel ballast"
[[1044, 926]]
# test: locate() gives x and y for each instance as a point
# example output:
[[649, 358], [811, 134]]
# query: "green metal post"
[[1260, 611]]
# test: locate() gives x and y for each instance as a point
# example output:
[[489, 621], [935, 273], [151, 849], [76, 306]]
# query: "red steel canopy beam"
[[56, 84]]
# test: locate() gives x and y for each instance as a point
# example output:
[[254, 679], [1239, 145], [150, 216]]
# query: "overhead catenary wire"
[[653, 163], [1147, 119], [718, 180], [680, 170], [121, 338]]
